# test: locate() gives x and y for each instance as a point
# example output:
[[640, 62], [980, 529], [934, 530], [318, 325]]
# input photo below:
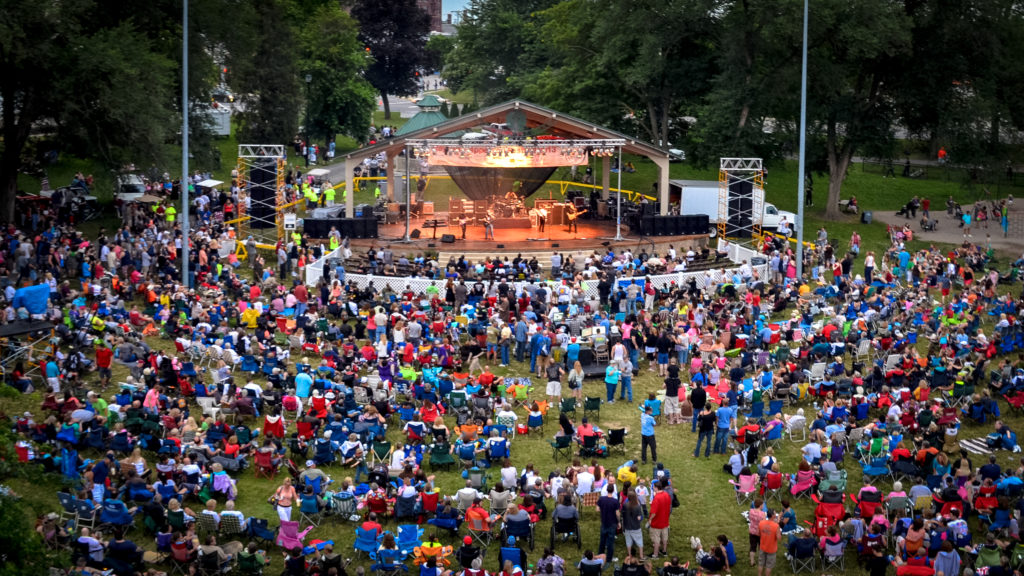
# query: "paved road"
[[949, 231]]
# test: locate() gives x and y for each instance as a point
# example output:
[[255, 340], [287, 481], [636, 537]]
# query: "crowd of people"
[[385, 389]]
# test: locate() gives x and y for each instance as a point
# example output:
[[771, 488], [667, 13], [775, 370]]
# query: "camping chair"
[[206, 524], [309, 509], [800, 562], [68, 511], [568, 407], [410, 538], [592, 406], [388, 561], [745, 489], [230, 526], [771, 486], [85, 514], [440, 455], [590, 447], [617, 440], [833, 556], [260, 532], [264, 465], [561, 446], [289, 536], [535, 423], [115, 512], [479, 530], [181, 558], [380, 451]]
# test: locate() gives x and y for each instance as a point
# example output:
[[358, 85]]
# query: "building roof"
[[536, 117], [429, 101], [421, 121]]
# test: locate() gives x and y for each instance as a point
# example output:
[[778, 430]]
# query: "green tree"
[[66, 66], [20, 551], [396, 32], [438, 48], [340, 99], [497, 40], [854, 48], [641, 70], [268, 80]]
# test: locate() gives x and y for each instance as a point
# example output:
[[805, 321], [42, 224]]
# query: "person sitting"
[[591, 564], [717, 560]]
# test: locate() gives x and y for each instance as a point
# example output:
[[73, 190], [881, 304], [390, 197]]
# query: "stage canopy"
[[513, 120], [482, 167]]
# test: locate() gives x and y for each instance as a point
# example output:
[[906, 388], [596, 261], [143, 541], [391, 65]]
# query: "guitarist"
[[573, 215]]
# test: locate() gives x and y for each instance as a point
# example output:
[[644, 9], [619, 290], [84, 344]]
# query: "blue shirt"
[[646, 424], [724, 414], [303, 385], [611, 375]]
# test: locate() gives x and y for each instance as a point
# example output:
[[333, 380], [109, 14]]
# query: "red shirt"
[[103, 357], [661, 509]]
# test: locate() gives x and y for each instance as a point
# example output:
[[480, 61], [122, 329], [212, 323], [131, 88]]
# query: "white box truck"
[[701, 197]]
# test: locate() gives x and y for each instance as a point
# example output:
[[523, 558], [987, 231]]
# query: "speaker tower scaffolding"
[[261, 172], [740, 199]]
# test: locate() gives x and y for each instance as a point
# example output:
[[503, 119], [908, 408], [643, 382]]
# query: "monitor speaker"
[[414, 234], [448, 238]]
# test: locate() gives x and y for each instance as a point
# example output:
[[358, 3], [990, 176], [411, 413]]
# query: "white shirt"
[[584, 482]]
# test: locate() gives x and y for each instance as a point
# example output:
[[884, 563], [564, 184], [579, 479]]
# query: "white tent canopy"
[[209, 183]]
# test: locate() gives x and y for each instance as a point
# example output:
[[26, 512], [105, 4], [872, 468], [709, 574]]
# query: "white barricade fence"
[[316, 270], [227, 248]]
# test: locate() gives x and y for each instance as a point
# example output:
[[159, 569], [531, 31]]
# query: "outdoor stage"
[[592, 235]]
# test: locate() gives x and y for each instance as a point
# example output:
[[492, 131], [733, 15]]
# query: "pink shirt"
[[152, 399]]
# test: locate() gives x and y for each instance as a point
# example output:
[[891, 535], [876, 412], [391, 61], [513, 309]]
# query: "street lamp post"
[[803, 155], [184, 146], [309, 80]]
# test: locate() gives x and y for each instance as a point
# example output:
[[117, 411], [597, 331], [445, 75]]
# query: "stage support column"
[[606, 163], [391, 177], [662, 164], [350, 187]]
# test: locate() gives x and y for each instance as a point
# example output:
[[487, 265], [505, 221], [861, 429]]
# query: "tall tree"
[[66, 65], [853, 51], [652, 61], [340, 99], [395, 31], [268, 81]]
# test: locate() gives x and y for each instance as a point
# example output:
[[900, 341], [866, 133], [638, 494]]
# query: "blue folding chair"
[[366, 541], [388, 561], [410, 537]]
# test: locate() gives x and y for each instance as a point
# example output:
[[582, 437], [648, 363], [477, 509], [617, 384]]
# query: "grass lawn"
[[464, 97], [708, 506]]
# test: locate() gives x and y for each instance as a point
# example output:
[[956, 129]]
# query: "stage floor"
[[591, 235]]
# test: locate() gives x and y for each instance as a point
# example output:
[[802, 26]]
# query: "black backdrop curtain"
[[480, 183]]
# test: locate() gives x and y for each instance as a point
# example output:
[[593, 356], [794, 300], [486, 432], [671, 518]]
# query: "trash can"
[[866, 217]]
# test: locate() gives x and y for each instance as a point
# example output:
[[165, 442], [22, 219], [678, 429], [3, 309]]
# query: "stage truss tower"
[[267, 194], [732, 171]]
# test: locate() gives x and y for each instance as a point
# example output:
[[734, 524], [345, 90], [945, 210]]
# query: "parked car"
[[128, 187]]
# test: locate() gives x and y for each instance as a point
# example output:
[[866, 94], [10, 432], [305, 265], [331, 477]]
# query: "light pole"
[[309, 80], [184, 145], [803, 156], [618, 203]]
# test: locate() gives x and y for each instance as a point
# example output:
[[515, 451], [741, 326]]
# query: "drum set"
[[506, 207]]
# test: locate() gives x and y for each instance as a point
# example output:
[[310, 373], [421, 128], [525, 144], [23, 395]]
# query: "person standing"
[[542, 217], [647, 438], [608, 505], [488, 227], [699, 401], [725, 418], [463, 221], [658, 522], [706, 419], [611, 381], [769, 534]]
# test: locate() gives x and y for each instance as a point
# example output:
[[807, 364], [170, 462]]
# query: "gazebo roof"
[[536, 117], [421, 121], [429, 101]]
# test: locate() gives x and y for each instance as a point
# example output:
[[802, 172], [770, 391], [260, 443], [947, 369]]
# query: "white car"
[[128, 187]]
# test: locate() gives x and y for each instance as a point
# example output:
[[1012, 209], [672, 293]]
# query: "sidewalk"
[[949, 232]]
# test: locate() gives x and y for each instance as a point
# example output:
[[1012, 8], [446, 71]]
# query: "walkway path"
[[949, 231]]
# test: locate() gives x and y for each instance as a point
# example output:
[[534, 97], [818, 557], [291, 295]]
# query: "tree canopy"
[[722, 77]]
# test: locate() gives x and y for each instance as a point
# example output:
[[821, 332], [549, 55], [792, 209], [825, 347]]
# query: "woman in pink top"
[[151, 403]]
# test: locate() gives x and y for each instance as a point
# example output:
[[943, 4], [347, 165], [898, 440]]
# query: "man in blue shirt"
[[608, 505], [611, 381], [572, 352], [535, 344], [725, 415], [647, 435], [520, 333]]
